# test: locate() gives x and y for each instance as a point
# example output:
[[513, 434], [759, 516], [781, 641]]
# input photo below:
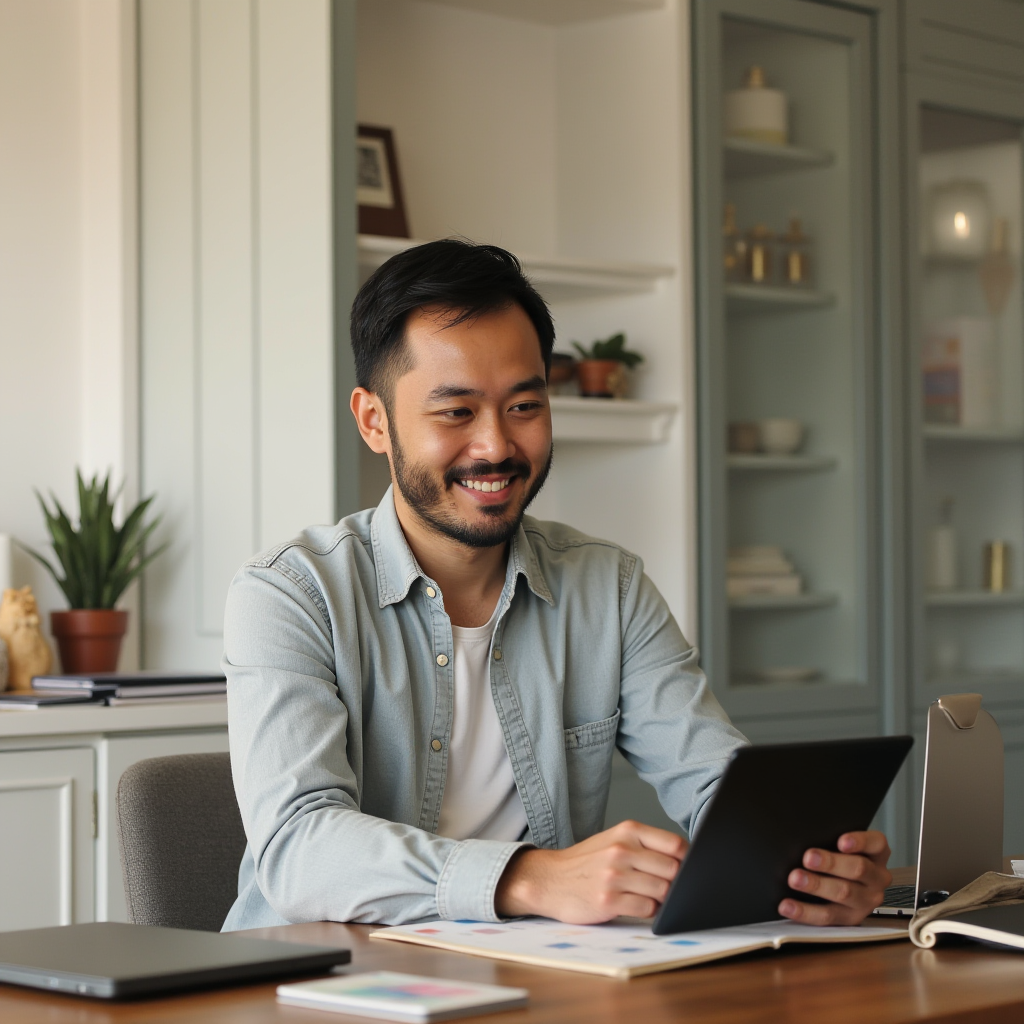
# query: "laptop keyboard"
[[898, 902]]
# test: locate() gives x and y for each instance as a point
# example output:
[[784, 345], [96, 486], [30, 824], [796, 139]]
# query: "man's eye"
[[526, 406], [456, 414]]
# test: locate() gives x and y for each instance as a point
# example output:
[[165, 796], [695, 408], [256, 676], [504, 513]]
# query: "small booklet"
[[29, 700], [990, 909], [623, 948], [387, 995]]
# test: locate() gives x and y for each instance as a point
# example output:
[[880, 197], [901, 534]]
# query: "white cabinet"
[[59, 770], [46, 819]]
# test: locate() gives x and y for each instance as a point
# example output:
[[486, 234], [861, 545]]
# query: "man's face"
[[470, 425]]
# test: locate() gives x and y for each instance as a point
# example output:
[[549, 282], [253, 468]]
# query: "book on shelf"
[[137, 684], [33, 701], [990, 909], [624, 948]]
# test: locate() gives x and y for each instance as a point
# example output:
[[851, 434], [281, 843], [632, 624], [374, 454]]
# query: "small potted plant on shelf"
[[99, 561], [602, 370]]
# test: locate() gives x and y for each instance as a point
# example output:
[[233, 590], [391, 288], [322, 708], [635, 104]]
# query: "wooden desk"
[[883, 984]]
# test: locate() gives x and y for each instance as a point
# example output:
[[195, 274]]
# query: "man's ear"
[[371, 419]]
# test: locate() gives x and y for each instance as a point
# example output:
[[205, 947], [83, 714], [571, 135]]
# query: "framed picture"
[[378, 187]]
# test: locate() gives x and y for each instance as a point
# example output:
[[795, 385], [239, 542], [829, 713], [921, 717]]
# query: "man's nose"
[[491, 441]]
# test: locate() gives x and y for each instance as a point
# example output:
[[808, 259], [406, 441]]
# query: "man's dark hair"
[[462, 279]]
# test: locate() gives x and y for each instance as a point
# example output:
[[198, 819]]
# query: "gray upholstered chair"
[[181, 840]]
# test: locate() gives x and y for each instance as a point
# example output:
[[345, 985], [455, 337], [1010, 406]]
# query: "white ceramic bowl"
[[780, 436]]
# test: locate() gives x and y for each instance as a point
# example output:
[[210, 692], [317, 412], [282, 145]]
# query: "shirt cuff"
[[469, 879]]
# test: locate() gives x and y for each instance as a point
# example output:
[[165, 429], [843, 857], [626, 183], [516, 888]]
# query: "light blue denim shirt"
[[338, 658]]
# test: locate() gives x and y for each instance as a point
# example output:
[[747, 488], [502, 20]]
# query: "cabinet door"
[[46, 819], [116, 755]]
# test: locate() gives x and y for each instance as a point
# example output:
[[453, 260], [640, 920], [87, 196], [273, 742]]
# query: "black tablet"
[[773, 803]]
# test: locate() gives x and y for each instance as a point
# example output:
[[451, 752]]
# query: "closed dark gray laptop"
[[110, 960]]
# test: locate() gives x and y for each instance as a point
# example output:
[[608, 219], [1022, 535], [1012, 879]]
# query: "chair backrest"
[[181, 840]]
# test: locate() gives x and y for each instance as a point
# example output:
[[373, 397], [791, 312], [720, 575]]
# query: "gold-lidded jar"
[[760, 255], [796, 261], [997, 566]]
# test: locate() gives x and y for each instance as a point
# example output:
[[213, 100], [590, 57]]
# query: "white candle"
[[6, 572]]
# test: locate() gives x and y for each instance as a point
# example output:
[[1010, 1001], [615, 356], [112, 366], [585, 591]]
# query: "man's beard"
[[426, 497]]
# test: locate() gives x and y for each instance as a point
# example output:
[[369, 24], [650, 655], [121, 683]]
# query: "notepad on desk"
[[620, 949]]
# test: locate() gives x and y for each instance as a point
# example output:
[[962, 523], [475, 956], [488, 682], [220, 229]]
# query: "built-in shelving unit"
[[558, 279], [754, 299], [974, 599], [780, 463], [782, 602], [610, 420], [746, 158]]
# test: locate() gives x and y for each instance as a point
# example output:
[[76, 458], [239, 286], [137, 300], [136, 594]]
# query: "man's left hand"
[[853, 881]]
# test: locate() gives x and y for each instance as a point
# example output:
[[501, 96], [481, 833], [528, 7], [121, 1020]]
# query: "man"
[[424, 699]]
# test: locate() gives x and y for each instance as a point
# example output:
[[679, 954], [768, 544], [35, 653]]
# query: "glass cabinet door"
[[969, 348]]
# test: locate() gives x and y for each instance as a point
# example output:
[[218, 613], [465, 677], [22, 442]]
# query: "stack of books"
[[115, 688], [761, 569]]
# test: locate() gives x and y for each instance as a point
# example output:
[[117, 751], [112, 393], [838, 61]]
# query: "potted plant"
[[602, 370], [99, 561]]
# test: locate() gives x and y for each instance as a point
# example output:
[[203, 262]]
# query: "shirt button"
[[431, 592], [442, 660], [497, 655], [435, 744]]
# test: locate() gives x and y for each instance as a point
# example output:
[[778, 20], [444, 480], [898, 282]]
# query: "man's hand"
[[624, 870], [853, 881]]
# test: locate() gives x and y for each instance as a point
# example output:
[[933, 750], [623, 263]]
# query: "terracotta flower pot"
[[601, 378], [89, 639]]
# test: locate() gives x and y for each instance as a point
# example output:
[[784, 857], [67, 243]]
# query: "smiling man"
[[424, 699]]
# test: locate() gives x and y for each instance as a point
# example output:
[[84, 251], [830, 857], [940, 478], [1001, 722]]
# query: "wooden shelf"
[[780, 463], [610, 420], [973, 599], [749, 299], [776, 602], [968, 679], [996, 435], [555, 12], [558, 279], [744, 158]]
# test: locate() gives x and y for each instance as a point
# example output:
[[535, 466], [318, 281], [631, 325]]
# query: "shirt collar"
[[397, 568]]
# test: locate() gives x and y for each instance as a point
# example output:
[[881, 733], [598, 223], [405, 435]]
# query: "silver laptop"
[[961, 805]]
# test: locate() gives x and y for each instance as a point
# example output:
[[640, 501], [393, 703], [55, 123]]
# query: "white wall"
[[67, 289]]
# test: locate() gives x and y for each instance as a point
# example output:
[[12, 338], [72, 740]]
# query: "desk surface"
[[884, 984]]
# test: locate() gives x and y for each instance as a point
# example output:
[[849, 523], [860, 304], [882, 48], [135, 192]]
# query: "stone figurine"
[[28, 653]]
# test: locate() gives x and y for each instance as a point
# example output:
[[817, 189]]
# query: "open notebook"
[[623, 948]]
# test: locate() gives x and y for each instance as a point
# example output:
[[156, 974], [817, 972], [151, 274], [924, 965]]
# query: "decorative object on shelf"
[[602, 368], [28, 653], [744, 438], [997, 566], [760, 255], [795, 254], [761, 569], [756, 112], [959, 219], [563, 368], [99, 561], [734, 246], [942, 561], [780, 435], [959, 366], [378, 185], [996, 272]]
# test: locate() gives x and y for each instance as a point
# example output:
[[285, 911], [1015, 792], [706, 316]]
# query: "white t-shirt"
[[480, 797]]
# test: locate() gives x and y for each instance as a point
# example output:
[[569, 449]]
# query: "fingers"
[[652, 838], [820, 913], [872, 843]]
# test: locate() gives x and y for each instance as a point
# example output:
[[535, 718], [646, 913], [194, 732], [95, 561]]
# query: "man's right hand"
[[625, 870]]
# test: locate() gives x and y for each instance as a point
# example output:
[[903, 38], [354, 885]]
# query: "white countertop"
[[90, 718]]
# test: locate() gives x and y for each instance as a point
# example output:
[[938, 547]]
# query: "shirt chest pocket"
[[588, 763]]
